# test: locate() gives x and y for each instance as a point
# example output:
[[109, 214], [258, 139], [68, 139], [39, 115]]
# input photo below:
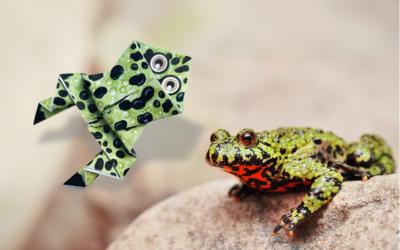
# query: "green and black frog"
[[291, 158], [146, 84]]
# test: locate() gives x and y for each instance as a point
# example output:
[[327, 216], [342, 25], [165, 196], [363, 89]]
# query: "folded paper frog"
[[146, 84]]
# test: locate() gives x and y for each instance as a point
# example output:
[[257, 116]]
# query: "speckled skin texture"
[[291, 158], [205, 218], [146, 84]]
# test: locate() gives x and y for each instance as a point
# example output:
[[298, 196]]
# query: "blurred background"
[[258, 64]]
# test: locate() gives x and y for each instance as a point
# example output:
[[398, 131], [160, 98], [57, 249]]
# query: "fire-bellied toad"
[[289, 158]]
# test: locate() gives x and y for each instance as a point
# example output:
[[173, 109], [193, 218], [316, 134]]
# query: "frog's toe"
[[240, 191], [286, 224], [277, 228], [288, 227], [365, 178], [236, 192]]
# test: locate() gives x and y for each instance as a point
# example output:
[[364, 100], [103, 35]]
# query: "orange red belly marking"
[[263, 178]]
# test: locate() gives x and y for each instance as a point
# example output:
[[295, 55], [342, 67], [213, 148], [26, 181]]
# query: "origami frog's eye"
[[248, 138], [159, 63], [171, 85]]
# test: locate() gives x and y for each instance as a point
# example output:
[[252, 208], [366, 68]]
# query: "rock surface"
[[361, 216]]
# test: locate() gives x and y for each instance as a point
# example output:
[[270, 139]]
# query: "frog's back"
[[297, 137], [367, 157]]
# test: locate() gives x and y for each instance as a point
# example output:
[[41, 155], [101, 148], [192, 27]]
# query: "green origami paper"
[[146, 84]]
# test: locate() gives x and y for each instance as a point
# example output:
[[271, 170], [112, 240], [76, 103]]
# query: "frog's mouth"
[[211, 162], [211, 159], [230, 168]]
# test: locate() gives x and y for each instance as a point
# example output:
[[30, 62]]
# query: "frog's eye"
[[248, 138], [171, 85], [159, 63], [220, 134]]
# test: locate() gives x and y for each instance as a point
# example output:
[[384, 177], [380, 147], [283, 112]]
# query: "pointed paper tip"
[[39, 116], [75, 181]]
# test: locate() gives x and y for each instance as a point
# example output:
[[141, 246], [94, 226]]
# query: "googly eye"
[[159, 63], [171, 85]]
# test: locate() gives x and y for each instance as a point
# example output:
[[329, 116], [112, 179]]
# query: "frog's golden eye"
[[171, 85], [248, 138], [159, 63]]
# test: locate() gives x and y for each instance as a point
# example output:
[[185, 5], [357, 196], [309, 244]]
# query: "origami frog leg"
[[128, 139], [100, 165], [44, 109], [326, 185], [60, 101], [103, 165], [130, 136], [84, 178], [118, 159]]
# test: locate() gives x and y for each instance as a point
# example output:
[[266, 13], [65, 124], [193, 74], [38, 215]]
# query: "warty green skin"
[[288, 158]]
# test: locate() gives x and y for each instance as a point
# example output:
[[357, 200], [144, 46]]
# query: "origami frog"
[[145, 84]]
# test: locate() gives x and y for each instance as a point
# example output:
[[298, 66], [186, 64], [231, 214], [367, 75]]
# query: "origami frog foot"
[[240, 192]]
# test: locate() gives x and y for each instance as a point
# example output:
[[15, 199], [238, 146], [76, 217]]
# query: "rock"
[[361, 216]]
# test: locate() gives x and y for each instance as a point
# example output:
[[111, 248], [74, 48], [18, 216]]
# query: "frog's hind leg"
[[369, 157]]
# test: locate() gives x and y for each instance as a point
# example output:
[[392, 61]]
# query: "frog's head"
[[232, 153], [171, 70]]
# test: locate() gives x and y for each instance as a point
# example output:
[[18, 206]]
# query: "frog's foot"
[[357, 172], [286, 224], [240, 192], [290, 220]]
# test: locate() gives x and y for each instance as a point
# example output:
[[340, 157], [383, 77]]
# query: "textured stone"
[[361, 216]]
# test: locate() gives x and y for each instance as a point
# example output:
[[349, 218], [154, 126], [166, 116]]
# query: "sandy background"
[[258, 64]]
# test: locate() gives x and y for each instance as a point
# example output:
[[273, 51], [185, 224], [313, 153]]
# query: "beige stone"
[[361, 216]]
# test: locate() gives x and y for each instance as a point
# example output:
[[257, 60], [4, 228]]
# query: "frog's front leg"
[[326, 184], [241, 191]]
